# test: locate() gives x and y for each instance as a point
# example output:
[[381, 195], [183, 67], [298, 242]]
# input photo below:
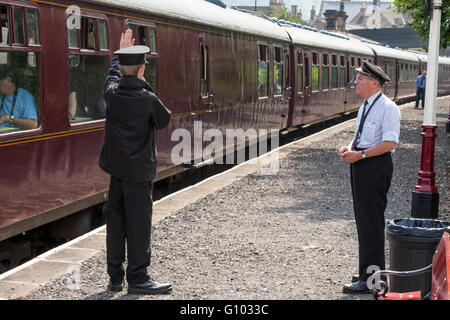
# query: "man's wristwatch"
[[11, 119], [363, 154]]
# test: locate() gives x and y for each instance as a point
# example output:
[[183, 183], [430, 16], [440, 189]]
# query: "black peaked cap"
[[374, 71]]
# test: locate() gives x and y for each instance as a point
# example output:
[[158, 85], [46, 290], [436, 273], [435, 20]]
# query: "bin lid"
[[417, 227]]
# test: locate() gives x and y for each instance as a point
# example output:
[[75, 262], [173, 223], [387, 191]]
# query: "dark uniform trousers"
[[420, 95], [129, 217], [371, 179]]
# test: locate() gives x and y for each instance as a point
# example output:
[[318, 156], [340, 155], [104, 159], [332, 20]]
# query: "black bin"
[[412, 244]]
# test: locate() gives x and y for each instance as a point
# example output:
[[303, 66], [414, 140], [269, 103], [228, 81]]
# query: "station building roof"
[[206, 13]]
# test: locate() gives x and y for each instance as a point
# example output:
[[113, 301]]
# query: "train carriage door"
[[397, 79], [278, 83], [307, 80], [299, 89], [287, 93]]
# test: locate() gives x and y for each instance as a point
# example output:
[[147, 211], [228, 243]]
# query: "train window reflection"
[[87, 33], [103, 34], [325, 72], [87, 75], [19, 37], [315, 78], [277, 79], [19, 91], [300, 78], [205, 72], [315, 73], [32, 26], [263, 71], [152, 39], [73, 38], [342, 81], [334, 77], [4, 25], [277, 72]]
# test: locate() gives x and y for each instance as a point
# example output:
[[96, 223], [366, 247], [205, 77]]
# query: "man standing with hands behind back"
[[421, 83], [369, 155], [129, 156]]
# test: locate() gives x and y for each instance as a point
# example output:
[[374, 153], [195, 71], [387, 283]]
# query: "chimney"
[[294, 10], [312, 18]]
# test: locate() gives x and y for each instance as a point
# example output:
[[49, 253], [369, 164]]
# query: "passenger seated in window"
[[17, 109]]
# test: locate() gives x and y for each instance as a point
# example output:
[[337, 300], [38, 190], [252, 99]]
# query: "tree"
[[287, 16], [417, 10]]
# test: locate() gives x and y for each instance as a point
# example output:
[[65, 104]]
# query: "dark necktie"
[[358, 133]]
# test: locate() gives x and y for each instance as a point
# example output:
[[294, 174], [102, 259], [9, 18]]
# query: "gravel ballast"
[[287, 236]]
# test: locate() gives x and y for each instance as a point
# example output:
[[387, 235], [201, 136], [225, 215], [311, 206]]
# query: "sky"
[[304, 5]]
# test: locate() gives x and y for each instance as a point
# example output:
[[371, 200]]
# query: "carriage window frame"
[[79, 50], [278, 63], [325, 83], [342, 72], [315, 66], [151, 35], [334, 72], [10, 47], [263, 62], [204, 75], [299, 73]]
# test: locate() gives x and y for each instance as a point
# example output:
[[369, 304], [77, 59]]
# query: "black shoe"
[[150, 287], [355, 278], [115, 286], [356, 288]]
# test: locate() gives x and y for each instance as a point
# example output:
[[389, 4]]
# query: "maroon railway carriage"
[[214, 67], [207, 64]]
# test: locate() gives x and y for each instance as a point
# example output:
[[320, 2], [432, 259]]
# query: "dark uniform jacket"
[[132, 113]]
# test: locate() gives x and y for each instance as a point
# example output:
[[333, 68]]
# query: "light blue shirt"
[[381, 124], [25, 107], [421, 82]]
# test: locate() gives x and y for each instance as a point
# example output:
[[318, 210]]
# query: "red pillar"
[[425, 196]]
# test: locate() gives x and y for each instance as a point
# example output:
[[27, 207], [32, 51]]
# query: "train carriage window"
[[325, 72], [88, 66], [19, 30], [315, 72], [277, 72], [19, 90], [263, 71], [287, 70], [152, 39], [342, 81], [32, 26], [306, 63], [146, 36], [103, 34], [19, 72], [299, 71], [353, 68], [402, 72], [204, 83], [334, 73], [88, 33], [4, 25]]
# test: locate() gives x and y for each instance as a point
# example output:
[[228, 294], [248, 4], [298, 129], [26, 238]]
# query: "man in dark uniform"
[[369, 155], [129, 156]]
